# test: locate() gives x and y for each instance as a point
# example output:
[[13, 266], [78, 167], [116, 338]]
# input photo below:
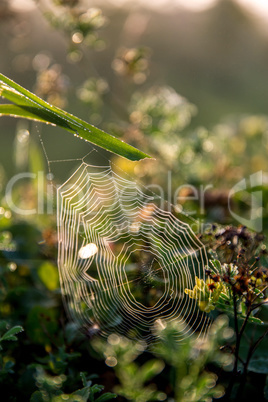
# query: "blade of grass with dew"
[[29, 106]]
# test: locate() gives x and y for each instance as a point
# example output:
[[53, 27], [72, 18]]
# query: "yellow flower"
[[206, 296]]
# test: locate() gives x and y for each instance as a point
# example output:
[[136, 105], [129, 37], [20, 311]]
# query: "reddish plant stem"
[[238, 334]]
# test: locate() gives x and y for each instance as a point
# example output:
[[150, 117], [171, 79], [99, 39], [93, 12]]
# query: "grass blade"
[[30, 106]]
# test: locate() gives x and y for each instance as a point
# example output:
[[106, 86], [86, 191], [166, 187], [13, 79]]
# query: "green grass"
[[29, 106]]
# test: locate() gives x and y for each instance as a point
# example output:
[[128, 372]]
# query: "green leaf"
[[85, 382], [255, 320], [48, 274], [83, 393], [30, 106], [223, 296], [259, 365], [37, 396], [96, 388], [9, 335], [216, 265], [106, 397], [17, 111], [11, 338], [150, 369]]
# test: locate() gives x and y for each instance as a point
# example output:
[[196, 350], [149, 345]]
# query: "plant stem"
[[238, 334], [234, 373]]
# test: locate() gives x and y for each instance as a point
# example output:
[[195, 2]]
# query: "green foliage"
[[219, 289], [192, 382], [188, 361], [258, 365], [46, 361], [121, 354], [7, 364], [30, 106], [132, 63], [79, 24], [239, 289], [43, 364], [10, 335], [50, 389], [48, 273]]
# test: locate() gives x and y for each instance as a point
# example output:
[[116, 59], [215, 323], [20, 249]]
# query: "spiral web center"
[[124, 263], [146, 278]]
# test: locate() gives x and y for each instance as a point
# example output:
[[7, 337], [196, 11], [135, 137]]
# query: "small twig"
[[258, 305], [238, 334], [232, 380], [254, 347]]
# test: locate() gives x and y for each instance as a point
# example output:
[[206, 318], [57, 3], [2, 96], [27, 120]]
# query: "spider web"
[[124, 263]]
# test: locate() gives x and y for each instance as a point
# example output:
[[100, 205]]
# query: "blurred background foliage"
[[189, 88]]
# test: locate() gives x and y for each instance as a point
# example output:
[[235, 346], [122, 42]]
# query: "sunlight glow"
[[196, 5], [22, 5], [88, 251], [257, 7]]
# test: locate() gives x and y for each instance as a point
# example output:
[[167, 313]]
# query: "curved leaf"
[[9, 335], [30, 106]]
